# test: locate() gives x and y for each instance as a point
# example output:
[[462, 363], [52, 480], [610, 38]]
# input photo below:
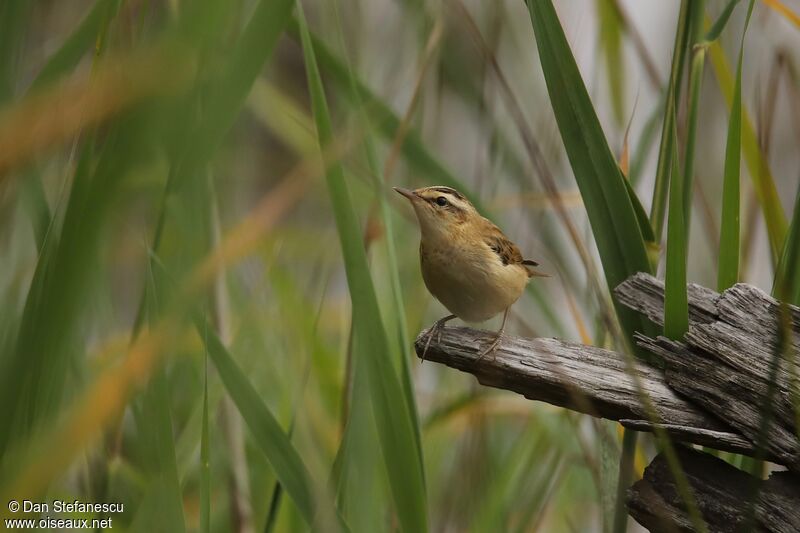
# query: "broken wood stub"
[[723, 363], [584, 378], [721, 493], [711, 389]]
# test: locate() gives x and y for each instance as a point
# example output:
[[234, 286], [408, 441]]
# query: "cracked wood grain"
[[710, 389], [723, 363], [721, 492], [584, 378]]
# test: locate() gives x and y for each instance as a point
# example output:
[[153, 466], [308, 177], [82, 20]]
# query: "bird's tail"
[[532, 272]]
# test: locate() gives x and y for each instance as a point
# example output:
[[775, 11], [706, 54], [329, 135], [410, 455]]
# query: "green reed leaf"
[[612, 215], [676, 306], [663, 166], [728, 268], [716, 29], [264, 427], [386, 122], [395, 422], [786, 285]]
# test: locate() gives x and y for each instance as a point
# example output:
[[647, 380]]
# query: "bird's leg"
[[436, 329], [493, 347]]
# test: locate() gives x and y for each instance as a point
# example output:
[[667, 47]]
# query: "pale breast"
[[471, 281]]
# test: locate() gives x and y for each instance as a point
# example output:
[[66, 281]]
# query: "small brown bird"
[[467, 263]]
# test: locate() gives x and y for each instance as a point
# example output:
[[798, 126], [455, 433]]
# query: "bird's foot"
[[436, 329], [492, 349]]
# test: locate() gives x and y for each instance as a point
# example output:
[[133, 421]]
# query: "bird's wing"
[[508, 252], [500, 244]]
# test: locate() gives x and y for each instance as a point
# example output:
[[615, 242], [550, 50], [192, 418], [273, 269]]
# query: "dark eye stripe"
[[435, 200], [449, 206]]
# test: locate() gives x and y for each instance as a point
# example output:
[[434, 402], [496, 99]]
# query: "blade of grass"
[[603, 188], [191, 138], [415, 153], [381, 192], [277, 489], [611, 44], [166, 505], [698, 56], [14, 20], [283, 116], [538, 162], [676, 309], [63, 60], [254, 47], [641, 215], [716, 29], [28, 469], [205, 457], [757, 165], [42, 359], [611, 214], [511, 477], [267, 432], [357, 473], [395, 422], [163, 503], [387, 122], [661, 186], [230, 422], [676, 305], [728, 268], [787, 277], [626, 460], [78, 42], [306, 320]]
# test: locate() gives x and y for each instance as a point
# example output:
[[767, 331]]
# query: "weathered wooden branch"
[[710, 391], [723, 363], [721, 493], [584, 378]]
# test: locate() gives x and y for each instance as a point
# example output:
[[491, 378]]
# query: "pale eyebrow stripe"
[[448, 190], [453, 206]]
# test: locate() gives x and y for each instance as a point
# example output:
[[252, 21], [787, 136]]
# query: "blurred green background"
[[209, 293]]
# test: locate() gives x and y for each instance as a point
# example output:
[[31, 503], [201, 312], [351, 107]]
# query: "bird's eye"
[[442, 201]]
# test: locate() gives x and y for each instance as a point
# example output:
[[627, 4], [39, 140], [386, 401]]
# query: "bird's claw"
[[430, 338], [492, 349], [436, 329], [428, 342]]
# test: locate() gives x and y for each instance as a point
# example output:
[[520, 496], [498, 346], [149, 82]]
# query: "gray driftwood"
[[583, 378], [723, 363], [710, 390], [720, 492]]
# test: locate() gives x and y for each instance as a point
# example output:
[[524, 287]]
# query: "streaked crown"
[[445, 201], [439, 209]]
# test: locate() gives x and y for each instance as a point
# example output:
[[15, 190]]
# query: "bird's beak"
[[405, 192]]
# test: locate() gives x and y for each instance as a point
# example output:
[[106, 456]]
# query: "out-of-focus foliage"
[[208, 293]]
